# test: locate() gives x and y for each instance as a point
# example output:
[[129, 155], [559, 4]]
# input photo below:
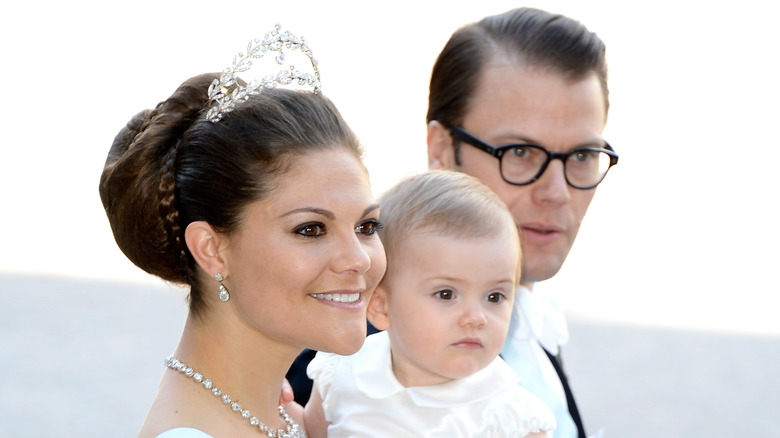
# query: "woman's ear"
[[377, 308], [204, 244], [441, 152]]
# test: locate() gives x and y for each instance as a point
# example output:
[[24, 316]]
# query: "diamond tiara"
[[225, 92]]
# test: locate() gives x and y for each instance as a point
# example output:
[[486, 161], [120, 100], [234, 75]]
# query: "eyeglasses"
[[522, 163]]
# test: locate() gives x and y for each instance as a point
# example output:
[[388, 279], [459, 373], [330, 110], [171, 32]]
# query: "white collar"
[[380, 382], [538, 315]]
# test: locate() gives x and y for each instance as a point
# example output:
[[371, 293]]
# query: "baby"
[[453, 258]]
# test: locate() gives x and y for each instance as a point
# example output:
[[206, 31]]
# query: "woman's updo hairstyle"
[[169, 167]]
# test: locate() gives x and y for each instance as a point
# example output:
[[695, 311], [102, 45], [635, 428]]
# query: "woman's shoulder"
[[184, 432]]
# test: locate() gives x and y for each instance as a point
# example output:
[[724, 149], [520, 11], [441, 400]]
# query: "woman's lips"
[[348, 299], [339, 298]]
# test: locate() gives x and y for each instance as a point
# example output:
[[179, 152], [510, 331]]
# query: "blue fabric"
[[531, 379], [538, 321], [184, 432]]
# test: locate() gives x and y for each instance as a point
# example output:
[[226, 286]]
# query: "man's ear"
[[204, 244], [441, 153], [377, 309]]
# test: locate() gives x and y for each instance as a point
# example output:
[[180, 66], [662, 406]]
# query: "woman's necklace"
[[291, 431]]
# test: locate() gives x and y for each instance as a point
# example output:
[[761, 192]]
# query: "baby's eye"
[[444, 294], [369, 228], [314, 229], [495, 297]]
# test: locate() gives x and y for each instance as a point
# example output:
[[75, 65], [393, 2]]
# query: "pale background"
[[669, 288]]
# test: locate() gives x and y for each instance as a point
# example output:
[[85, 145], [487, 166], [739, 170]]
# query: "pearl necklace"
[[292, 430]]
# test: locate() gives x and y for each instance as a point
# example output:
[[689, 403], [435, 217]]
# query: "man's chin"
[[535, 272]]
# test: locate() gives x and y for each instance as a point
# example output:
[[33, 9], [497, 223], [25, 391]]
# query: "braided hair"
[[169, 167]]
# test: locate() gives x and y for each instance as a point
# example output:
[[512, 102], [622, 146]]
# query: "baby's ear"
[[377, 308]]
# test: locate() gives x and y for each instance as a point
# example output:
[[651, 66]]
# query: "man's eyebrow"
[[529, 140]]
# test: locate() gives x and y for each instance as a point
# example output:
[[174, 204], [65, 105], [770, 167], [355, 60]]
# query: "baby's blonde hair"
[[445, 203]]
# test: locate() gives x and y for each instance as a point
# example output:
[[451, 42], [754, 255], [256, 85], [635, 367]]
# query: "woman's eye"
[[369, 228], [311, 230], [495, 297], [444, 294]]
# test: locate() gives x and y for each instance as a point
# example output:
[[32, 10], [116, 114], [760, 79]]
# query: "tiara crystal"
[[225, 92]]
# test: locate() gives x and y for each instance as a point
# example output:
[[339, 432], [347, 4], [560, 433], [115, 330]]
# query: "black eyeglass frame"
[[498, 152]]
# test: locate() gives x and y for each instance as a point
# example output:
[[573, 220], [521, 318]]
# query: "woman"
[[264, 209]]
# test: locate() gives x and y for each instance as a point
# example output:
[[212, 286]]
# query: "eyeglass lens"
[[583, 168]]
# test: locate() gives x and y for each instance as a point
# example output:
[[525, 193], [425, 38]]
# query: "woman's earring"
[[224, 295]]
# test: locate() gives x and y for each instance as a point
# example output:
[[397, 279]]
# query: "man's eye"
[[444, 294], [581, 156], [519, 151], [311, 230]]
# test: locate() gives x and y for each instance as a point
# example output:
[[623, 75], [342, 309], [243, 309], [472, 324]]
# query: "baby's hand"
[[287, 399], [287, 394]]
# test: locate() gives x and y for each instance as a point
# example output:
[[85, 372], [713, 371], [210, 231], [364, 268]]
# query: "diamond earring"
[[224, 295]]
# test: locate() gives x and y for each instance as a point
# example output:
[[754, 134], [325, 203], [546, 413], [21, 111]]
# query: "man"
[[520, 101]]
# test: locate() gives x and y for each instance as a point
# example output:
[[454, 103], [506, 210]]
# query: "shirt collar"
[[538, 315], [379, 382]]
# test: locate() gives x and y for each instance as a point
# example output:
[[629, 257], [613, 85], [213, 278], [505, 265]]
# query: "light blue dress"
[[184, 432]]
